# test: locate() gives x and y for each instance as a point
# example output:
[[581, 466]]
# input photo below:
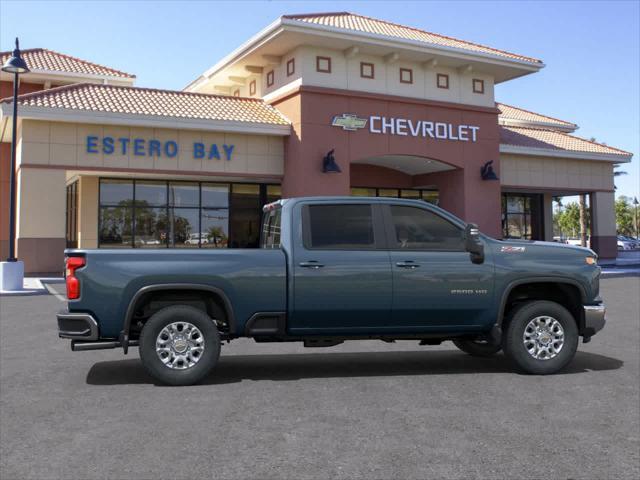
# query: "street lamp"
[[635, 214], [12, 271]]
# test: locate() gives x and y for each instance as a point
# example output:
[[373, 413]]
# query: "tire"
[[521, 337], [192, 355], [476, 348]]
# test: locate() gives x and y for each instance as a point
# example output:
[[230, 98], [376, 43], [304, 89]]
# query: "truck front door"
[[435, 284], [342, 275]]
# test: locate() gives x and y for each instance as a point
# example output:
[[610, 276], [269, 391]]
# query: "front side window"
[[339, 227], [418, 229]]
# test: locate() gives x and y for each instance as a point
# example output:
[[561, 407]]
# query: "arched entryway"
[[408, 176]]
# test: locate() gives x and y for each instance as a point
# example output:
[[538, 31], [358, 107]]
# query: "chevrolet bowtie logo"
[[349, 122]]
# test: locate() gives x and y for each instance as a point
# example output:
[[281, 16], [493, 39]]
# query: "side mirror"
[[473, 244]]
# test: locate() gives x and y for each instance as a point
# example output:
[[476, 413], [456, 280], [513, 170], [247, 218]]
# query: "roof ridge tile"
[[96, 66], [536, 113], [124, 99], [616, 151], [415, 29]]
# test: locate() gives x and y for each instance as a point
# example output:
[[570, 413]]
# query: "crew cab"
[[332, 269]]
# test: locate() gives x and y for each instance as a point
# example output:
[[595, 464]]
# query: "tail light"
[[73, 284]]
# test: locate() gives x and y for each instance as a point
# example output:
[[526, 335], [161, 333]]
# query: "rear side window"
[[339, 227], [418, 229], [271, 228]]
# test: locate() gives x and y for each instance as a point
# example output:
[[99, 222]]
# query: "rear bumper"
[[77, 326], [594, 319]]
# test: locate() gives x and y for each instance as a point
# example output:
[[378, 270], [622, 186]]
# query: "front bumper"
[[594, 319], [77, 326]]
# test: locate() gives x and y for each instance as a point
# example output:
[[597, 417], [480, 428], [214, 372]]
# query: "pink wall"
[[462, 191]]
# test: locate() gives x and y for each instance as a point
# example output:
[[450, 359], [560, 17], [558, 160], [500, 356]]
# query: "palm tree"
[[583, 219], [617, 173]]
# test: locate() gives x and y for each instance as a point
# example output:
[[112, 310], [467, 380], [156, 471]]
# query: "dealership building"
[[404, 112]]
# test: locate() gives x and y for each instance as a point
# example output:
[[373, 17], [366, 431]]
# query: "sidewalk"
[[626, 263]]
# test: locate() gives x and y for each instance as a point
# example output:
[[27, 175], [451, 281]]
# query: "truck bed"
[[252, 279]]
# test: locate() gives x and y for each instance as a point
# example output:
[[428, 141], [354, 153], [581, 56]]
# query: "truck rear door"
[[342, 274]]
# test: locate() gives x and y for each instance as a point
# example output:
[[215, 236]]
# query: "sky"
[[591, 49]]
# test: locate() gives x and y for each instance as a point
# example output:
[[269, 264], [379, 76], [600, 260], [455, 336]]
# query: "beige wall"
[[556, 173], [41, 203], [64, 144], [345, 74]]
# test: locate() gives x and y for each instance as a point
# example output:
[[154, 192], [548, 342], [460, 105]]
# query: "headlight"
[[591, 260]]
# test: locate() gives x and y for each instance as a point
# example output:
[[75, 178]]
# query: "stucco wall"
[[88, 212], [65, 144], [312, 109], [555, 173], [345, 74]]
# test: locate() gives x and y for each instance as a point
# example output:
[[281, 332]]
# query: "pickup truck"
[[332, 269]]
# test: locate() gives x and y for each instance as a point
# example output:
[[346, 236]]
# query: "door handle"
[[407, 264], [311, 264]]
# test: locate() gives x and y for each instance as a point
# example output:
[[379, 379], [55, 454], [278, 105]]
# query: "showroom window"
[[430, 196], [72, 215], [181, 214], [521, 216]]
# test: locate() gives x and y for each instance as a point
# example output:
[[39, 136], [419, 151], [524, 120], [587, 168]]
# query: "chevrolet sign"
[[349, 122]]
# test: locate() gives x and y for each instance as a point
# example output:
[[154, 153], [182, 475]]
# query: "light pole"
[[12, 270], [635, 214]]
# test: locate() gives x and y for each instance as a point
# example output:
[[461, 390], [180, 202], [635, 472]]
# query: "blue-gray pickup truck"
[[332, 269]]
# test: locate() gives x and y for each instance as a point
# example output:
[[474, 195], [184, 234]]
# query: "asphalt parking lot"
[[359, 410]]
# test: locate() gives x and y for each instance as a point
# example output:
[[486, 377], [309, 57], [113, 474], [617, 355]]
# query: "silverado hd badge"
[[512, 249], [349, 121]]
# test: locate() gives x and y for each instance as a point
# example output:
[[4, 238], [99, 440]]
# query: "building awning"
[[123, 105]]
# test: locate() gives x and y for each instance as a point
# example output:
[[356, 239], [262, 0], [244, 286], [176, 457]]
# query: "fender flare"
[[526, 280], [174, 286]]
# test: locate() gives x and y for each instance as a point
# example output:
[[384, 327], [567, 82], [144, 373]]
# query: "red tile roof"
[[516, 113], [147, 101], [553, 140], [48, 60], [360, 23]]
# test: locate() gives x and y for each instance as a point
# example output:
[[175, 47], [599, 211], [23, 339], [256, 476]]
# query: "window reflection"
[[151, 227], [181, 214], [215, 227]]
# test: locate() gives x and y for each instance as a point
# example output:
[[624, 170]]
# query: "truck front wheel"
[[541, 337], [179, 345]]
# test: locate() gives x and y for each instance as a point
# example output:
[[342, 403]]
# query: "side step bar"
[[80, 346]]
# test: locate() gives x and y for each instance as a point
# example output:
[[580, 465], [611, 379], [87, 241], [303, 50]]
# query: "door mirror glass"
[[473, 243]]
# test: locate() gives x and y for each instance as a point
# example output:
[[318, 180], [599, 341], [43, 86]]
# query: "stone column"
[[88, 212], [603, 224], [41, 237]]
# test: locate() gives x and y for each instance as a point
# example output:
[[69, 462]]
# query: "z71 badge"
[[512, 249]]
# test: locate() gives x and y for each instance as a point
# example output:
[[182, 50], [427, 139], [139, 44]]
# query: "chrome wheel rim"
[[543, 337], [180, 345]]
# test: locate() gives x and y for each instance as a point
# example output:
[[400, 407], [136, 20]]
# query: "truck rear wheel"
[[541, 337], [478, 348], [179, 345]]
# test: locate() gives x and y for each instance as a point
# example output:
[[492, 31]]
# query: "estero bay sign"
[[408, 127], [160, 148]]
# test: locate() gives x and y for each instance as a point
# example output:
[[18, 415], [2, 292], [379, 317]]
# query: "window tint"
[[417, 229], [340, 226]]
